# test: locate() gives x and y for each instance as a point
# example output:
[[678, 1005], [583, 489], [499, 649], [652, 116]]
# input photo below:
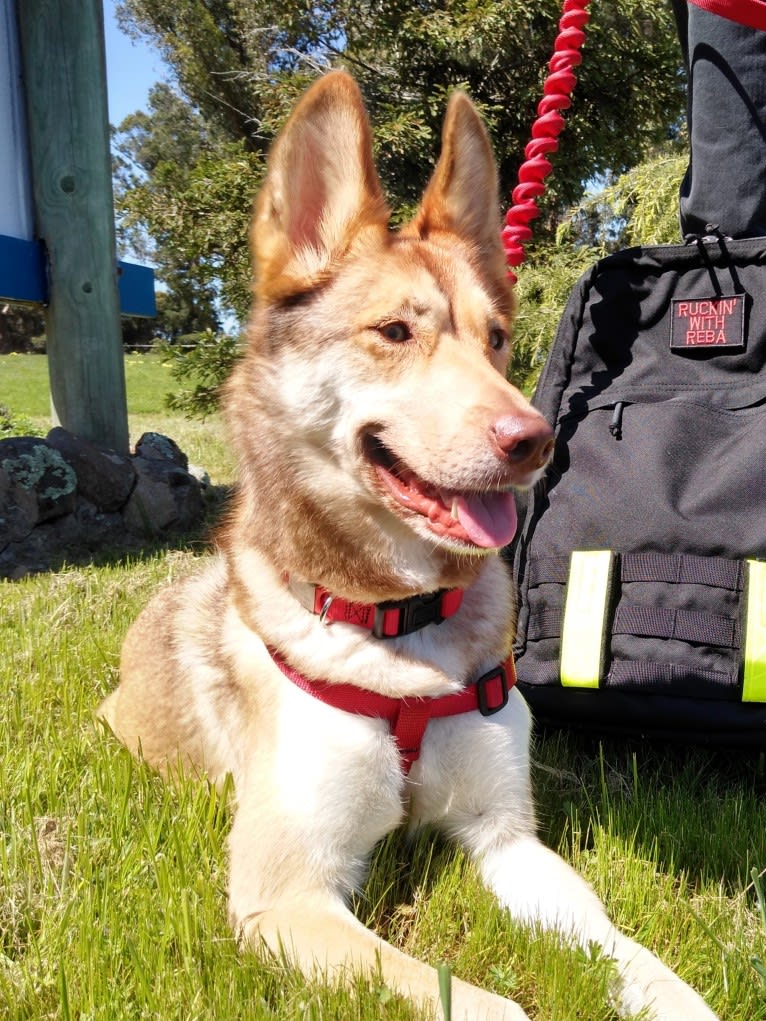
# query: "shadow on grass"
[[683, 808]]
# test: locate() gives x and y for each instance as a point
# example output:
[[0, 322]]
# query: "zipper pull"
[[615, 426]]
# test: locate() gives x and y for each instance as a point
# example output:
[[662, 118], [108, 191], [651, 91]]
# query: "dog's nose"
[[526, 440]]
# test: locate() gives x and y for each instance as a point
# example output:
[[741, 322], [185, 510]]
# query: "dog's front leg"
[[286, 893], [319, 935], [537, 886]]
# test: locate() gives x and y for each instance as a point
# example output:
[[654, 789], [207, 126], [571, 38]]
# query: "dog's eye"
[[497, 339], [395, 332]]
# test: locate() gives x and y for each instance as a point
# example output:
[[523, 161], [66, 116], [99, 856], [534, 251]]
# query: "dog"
[[345, 655]]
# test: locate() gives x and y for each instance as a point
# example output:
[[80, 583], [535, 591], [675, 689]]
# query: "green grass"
[[24, 391], [24, 383], [113, 884]]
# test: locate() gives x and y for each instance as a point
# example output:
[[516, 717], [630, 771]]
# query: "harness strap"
[[408, 717]]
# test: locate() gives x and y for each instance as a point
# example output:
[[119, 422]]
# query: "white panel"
[[16, 217]]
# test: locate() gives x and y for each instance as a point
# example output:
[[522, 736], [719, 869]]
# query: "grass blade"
[[445, 989]]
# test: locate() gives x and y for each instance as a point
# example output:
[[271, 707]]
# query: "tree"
[[155, 155], [242, 62]]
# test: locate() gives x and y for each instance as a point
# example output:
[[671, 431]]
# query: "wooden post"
[[64, 70]]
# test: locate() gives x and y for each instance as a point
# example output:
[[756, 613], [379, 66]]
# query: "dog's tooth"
[[453, 509]]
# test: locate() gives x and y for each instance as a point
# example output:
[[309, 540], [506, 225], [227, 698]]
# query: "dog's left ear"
[[461, 197]]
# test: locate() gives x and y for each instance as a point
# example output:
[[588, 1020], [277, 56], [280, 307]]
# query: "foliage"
[[639, 207], [542, 291], [183, 194], [12, 424], [756, 961], [204, 362], [240, 64], [409, 57], [22, 328], [154, 156]]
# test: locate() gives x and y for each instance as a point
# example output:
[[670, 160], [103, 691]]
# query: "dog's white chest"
[[337, 770]]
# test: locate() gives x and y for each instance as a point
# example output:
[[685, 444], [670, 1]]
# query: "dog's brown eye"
[[396, 331], [497, 339]]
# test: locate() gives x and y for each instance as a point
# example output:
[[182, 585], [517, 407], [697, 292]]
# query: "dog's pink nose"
[[526, 440]]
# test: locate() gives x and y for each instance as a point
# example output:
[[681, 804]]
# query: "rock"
[[31, 463], [64, 500], [18, 510], [100, 529], [155, 446], [104, 477], [165, 497]]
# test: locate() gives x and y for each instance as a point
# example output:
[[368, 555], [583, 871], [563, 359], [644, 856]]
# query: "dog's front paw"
[[470, 1003], [646, 983]]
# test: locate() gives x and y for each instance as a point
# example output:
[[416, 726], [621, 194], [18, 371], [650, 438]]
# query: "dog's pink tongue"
[[488, 518]]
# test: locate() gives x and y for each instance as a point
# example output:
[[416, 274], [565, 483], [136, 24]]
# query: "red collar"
[[385, 620], [409, 717]]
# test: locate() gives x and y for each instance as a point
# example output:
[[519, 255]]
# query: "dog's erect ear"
[[461, 196], [321, 189]]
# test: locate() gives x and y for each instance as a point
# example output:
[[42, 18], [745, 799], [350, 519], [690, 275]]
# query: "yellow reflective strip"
[[582, 631], [754, 675]]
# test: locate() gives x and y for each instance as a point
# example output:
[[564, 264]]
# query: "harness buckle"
[[492, 700]]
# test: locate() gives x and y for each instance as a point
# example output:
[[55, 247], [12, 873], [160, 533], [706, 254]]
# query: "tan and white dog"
[[379, 444]]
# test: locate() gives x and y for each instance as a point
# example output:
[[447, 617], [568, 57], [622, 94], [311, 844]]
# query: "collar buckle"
[[403, 616]]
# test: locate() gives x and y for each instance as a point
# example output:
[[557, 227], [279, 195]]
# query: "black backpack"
[[641, 560]]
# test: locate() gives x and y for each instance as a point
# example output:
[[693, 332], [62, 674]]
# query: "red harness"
[[408, 717]]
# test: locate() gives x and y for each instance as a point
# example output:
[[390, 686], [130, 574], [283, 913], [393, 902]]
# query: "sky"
[[131, 69]]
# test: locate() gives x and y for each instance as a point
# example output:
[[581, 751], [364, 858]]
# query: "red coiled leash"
[[546, 129]]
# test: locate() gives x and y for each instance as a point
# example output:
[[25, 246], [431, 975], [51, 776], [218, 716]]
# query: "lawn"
[[112, 884], [24, 391]]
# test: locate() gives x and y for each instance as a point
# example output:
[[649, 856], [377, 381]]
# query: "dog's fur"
[[378, 440]]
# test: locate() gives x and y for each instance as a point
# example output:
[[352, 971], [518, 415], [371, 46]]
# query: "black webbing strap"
[[548, 571], [679, 625], [675, 568], [650, 622], [683, 569], [669, 678]]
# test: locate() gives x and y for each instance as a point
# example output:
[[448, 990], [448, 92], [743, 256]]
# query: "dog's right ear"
[[321, 190]]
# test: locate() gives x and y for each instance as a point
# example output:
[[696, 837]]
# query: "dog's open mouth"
[[485, 519]]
